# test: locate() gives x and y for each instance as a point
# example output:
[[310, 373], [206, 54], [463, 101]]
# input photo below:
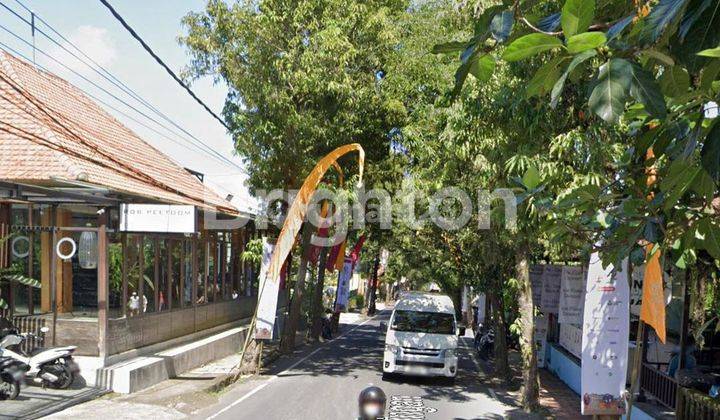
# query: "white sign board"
[[541, 329], [550, 299], [159, 218], [606, 325], [343, 293], [268, 297], [571, 339], [536, 272], [572, 295]]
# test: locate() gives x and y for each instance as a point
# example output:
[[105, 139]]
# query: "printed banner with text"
[[606, 325]]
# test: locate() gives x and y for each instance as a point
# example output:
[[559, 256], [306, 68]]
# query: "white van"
[[421, 337]]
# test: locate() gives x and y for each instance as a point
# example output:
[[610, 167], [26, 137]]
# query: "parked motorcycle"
[[53, 367], [485, 343], [12, 376]]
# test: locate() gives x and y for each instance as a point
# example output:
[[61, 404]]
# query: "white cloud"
[[93, 41]]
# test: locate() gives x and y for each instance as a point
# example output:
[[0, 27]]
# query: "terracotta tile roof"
[[57, 132]]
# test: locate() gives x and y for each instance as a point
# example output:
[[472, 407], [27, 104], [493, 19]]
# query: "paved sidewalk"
[[175, 398], [557, 400], [557, 397], [34, 401]]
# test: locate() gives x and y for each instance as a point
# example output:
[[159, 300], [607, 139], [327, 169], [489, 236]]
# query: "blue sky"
[[89, 25]]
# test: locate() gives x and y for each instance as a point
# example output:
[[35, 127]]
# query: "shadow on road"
[[361, 351]]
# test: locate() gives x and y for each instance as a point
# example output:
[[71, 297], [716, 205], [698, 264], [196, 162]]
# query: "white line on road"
[[239, 400], [293, 366]]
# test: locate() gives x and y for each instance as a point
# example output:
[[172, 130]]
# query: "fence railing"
[[695, 405], [658, 385], [29, 324]]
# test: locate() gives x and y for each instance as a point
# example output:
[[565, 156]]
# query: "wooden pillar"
[[103, 285], [223, 265], [47, 256], [31, 260], [168, 294], [216, 268], [141, 272], [195, 270], [183, 271], [124, 264], [206, 275], [156, 280], [63, 269], [7, 291]]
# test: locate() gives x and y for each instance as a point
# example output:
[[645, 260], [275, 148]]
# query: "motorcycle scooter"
[[53, 367], [12, 376]]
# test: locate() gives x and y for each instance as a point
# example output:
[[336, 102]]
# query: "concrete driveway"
[[34, 401]]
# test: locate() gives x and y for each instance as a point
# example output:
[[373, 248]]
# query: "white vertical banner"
[[536, 272], [540, 336], [343, 293], [550, 299], [572, 295], [268, 291], [606, 325]]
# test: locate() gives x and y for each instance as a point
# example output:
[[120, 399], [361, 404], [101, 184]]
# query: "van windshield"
[[424, 322]]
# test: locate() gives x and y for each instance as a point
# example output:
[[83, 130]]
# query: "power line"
[[122, 167], [161, 62], [202, 147], [126, 115], [81, 76]]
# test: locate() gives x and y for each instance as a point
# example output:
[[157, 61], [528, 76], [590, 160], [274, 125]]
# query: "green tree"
[[303, 79], [646, 75]]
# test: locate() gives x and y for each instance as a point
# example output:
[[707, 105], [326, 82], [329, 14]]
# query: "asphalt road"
[[324, 383]]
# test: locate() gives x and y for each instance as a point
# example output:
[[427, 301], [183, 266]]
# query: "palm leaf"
[[19, 278]]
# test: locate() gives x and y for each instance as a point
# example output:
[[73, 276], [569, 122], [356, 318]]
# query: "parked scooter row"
[[49, 367]]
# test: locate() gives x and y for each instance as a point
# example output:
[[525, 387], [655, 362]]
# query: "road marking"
[[293, 366], [239, 400]]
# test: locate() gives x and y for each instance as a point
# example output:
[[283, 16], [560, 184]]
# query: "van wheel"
[[386, 377]]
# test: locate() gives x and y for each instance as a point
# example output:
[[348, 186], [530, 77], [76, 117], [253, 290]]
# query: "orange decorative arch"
[[298, 209]]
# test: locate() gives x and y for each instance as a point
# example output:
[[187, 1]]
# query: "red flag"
[[333, 256], [322, 232], [355, 254]]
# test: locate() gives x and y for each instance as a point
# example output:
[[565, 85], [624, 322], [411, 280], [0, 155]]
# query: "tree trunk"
[[317, 308], [502, 366], [531, 384], [287, 343], [372, 295]]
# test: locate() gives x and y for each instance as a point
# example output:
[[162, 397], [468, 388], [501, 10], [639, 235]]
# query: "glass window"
[[202, 268], [134, 266], [175, 249], [148, 289], [424, 322], [162, 281], [115, 252], [212, 270], [187, 272]]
